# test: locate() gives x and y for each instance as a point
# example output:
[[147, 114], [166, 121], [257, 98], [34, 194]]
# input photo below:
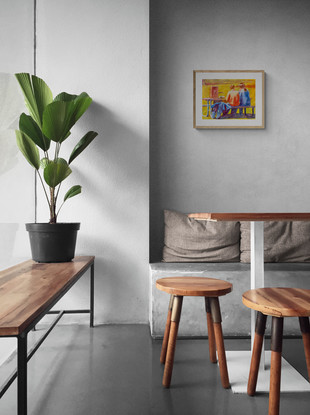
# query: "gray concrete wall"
[[228, 170]]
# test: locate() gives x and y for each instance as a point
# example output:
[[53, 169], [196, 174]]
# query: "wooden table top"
[[250, 216], [194, 286], [29, 288], [279, 301]]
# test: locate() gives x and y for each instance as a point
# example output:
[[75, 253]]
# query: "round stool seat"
[[194, 286], [279, 301]]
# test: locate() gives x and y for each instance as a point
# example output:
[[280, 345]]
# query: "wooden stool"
[[278, 303], [209, 288]]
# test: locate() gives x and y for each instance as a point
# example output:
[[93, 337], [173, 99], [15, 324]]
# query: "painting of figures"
[[228, 99]]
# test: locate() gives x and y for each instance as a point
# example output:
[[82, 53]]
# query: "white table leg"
[[257, 273], [238, 362]]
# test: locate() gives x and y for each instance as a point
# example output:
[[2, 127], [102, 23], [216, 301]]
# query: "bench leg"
[[275, 365], [305, 331], [175, 319], [167, 331], [256, 352], [217, 324], [22, 374], [92, 295], [211, 336]]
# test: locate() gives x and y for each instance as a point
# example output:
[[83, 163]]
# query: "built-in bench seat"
[[222, 250], [236, 317]]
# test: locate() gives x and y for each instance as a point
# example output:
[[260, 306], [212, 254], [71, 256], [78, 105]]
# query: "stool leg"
[[175, 319], [256, 352], [275, 365], [166, 334], [211, 336], [305, 331], [217, 324]]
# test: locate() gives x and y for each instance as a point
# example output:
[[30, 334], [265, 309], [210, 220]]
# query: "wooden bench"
[[28, 291], [241, 107]]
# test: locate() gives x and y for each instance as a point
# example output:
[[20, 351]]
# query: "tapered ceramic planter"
[[52, 242]]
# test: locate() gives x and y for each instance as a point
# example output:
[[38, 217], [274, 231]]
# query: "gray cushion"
[[190, 240], [283, 241]]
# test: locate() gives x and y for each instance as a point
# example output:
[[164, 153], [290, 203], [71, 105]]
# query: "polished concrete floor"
[[115, 370]]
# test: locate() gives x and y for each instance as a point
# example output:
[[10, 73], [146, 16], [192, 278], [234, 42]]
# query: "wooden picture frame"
[[229, 99]]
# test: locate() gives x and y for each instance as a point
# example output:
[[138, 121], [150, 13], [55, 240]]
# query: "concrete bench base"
[[236, 317]]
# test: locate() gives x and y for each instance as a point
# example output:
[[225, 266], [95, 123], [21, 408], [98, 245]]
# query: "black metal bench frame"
[[23, 355]]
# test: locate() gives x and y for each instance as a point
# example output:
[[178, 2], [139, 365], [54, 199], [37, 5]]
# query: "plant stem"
[[44, 188], [57, 150], [53, 216], [60, 208], [56, 197]]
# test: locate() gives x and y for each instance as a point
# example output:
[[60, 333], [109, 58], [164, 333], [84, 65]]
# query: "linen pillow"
[[190, 240], [283, 241]]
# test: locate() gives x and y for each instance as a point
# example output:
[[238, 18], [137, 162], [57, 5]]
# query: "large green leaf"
[[37, 95], [61, 115], [24, 81], [82, 144], [44, 162], [82, 102], [56, 171], [31, 128], [28, 148], [75, 190], [42, 93], [64, 96], [58, 120]]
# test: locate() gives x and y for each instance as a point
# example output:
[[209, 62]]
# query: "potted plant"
[[40, 138]]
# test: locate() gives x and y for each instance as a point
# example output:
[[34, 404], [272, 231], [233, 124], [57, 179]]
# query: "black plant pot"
[[52, 242]]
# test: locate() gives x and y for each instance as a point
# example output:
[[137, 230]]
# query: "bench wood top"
[[279, 301], [29, 288], [251, 216], [194, 286]]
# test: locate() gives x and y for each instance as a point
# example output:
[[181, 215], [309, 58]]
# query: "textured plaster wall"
[[228, 170]]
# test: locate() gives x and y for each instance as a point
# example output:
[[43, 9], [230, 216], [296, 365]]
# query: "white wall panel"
[[101, 47], [16, 176]]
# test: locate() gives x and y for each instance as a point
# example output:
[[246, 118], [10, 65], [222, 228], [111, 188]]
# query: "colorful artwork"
[[222, 99], [228, 98]]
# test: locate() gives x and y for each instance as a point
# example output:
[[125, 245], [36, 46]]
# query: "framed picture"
[[229, 99]]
